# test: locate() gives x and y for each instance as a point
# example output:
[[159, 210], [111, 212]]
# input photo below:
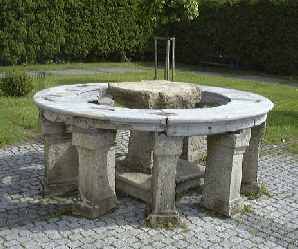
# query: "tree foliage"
[[258, 34], [169, 11]]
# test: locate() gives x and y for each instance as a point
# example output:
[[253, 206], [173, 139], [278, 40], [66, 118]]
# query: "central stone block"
[[150, 95], [155, 94]]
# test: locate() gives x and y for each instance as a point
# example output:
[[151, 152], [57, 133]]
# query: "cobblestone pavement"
[[29, 221]]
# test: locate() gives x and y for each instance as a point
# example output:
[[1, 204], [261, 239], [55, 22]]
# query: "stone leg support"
[[61, 159], [194, 148], [250, 161], [140, 151], [221, 192], [166, 154], [96, 151], [141, 147]]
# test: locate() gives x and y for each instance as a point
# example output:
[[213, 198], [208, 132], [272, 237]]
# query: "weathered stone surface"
[[238, 110], [194, 148], [96, 171], [140, 151], [189, 176], [155, 94], [166, 153], [249, 182], [61, 159], [135, 184], [103, 98], [138, 185], [221, 192], [151, 95]]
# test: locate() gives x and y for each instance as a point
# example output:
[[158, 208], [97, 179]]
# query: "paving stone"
[[29, 221]]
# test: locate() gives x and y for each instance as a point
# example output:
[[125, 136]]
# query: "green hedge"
[[260, 34], [31, 31], [43, 31]]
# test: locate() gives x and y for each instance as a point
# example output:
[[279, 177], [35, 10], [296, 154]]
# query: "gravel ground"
[[29, 221]]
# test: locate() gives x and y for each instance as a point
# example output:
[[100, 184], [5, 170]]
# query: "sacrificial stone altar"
[[165, 120]]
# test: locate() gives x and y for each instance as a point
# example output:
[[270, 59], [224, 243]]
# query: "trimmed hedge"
[[259, 34], [42, 31], [16, 84], [105, 28], [31, 31]]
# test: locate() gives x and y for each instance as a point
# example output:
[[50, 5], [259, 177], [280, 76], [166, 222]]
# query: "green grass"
[[263, 191], [246, 209], [19, 116], [232, 73], [283, 120], [65, 66]]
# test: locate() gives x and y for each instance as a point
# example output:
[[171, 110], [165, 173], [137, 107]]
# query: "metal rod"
[[173, 58], [165, 67], [168, 60], [170, 55], [165, 70], [155, 55]]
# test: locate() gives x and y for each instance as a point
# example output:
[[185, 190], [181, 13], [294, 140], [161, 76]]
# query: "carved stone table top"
[[233, 110]]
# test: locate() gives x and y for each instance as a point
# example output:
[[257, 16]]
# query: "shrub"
[[16, 84]]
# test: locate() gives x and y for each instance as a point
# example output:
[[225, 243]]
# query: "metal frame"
[[170, 43]]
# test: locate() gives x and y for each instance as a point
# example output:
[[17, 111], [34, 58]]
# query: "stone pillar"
[[166, 154], [140, 151], [61, 159], [194, 148], [221, 191], [141, 146], [250, 161], [96, 149]]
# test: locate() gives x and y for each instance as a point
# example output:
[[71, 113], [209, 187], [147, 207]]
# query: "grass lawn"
[[19, 116]]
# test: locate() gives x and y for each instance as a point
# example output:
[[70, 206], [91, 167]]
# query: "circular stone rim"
[[239, 110]]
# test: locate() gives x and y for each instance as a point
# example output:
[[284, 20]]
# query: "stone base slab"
[[63, 189], [138, 185], [94, 211], [227, 209]]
